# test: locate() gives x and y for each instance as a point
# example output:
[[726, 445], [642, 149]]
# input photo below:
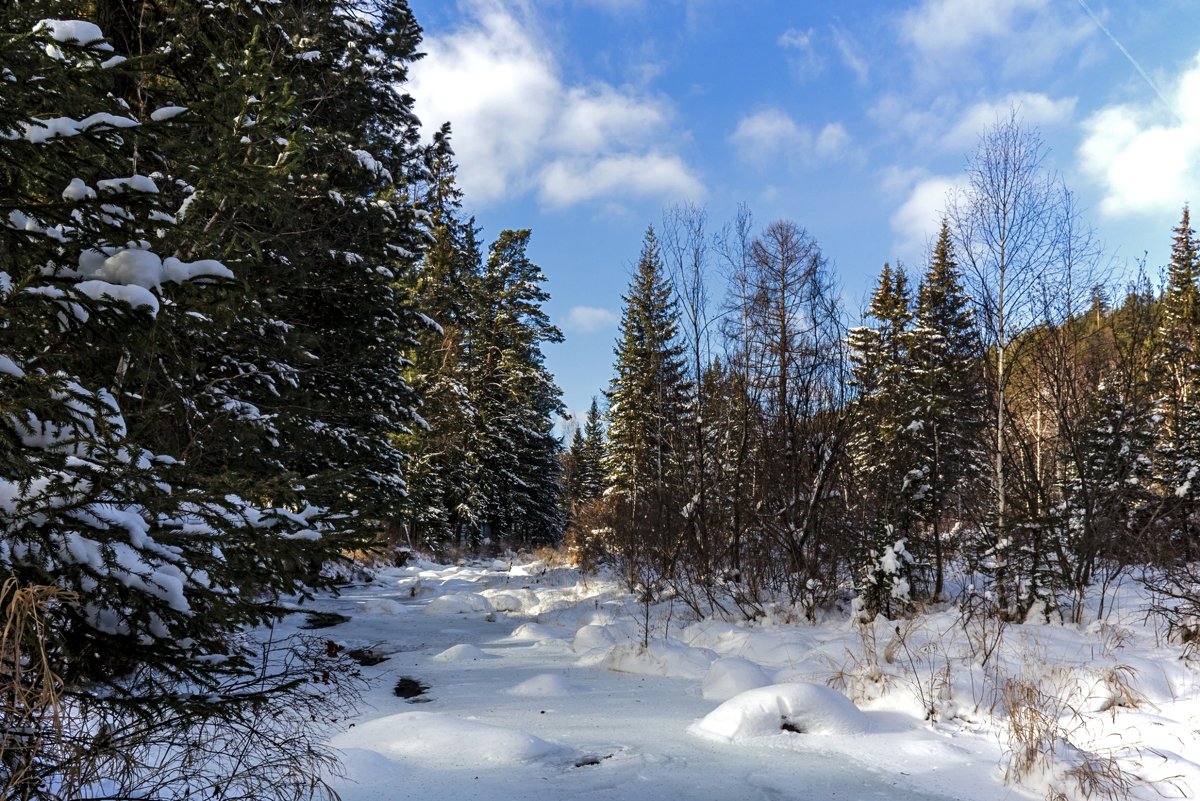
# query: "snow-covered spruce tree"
[[583, 468], [1106, 482], [884, 582], [572, 492], [880, 445], [648, 400], [947, 408], [444, 500], [1178, 379], [127, 583], [591, 457], [516, 399], [294, 167]]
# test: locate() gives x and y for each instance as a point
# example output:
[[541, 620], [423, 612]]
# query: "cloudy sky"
[[582, 119]]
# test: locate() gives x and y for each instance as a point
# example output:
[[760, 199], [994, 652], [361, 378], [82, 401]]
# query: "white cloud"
[[1146, 158], [796, 40], [771, 136], [766, 134], [918, 219], [593, 119], [517, 124], [832, 141], [952, 26], [803, 57], [1015, 36], [851, 54], [589, 319], [567, 181], [1033, 109]]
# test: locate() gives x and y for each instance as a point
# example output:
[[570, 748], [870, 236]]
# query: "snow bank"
[[765, 712], [589, 638], [381, 606], [464, 652], [733, 676], [520, 600], [534, 632], [543, 685], [445, 739], [659, 659], [459, 603]]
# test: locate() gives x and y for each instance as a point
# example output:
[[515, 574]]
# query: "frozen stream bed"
[[538, 689]]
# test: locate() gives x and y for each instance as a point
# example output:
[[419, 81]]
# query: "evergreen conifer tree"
[[591, 462], [572, 492], [648, 401], [648, 395], [443, 500], [946, 404], [879, 444], [516, 398], [220, 216], [1179, 381], [146, 577]]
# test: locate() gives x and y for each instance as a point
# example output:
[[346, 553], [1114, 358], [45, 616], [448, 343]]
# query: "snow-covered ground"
[[539, 688]]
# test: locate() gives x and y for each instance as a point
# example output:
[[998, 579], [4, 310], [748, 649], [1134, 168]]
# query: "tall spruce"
[[1179, 383], [516, 398], [879, 445], [148, 566], [591, 462], [947, 406], [583, 469], [443, 501], [648, 399], [295, 168], [648, 395]]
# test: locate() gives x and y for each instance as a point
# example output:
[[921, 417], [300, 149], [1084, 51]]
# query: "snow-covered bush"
[[884, 585]]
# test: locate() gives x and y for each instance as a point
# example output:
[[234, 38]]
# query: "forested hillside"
[[1015, 420]]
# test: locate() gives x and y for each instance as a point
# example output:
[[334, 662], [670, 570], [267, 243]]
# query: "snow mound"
[[381, 606], [463, 653], [459, 603], [511, 600], [732, 676], [772, 711], [370, 770], [590, 637], [659, 659], [534, 632], [543, 685], [445, 739]]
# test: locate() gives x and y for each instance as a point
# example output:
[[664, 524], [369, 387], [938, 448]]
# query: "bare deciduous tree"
[[1017, 235]]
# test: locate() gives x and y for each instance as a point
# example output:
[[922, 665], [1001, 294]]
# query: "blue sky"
[[583, 119]]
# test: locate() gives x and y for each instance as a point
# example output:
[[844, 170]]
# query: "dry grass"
[[1045, 720], [31, 709]]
